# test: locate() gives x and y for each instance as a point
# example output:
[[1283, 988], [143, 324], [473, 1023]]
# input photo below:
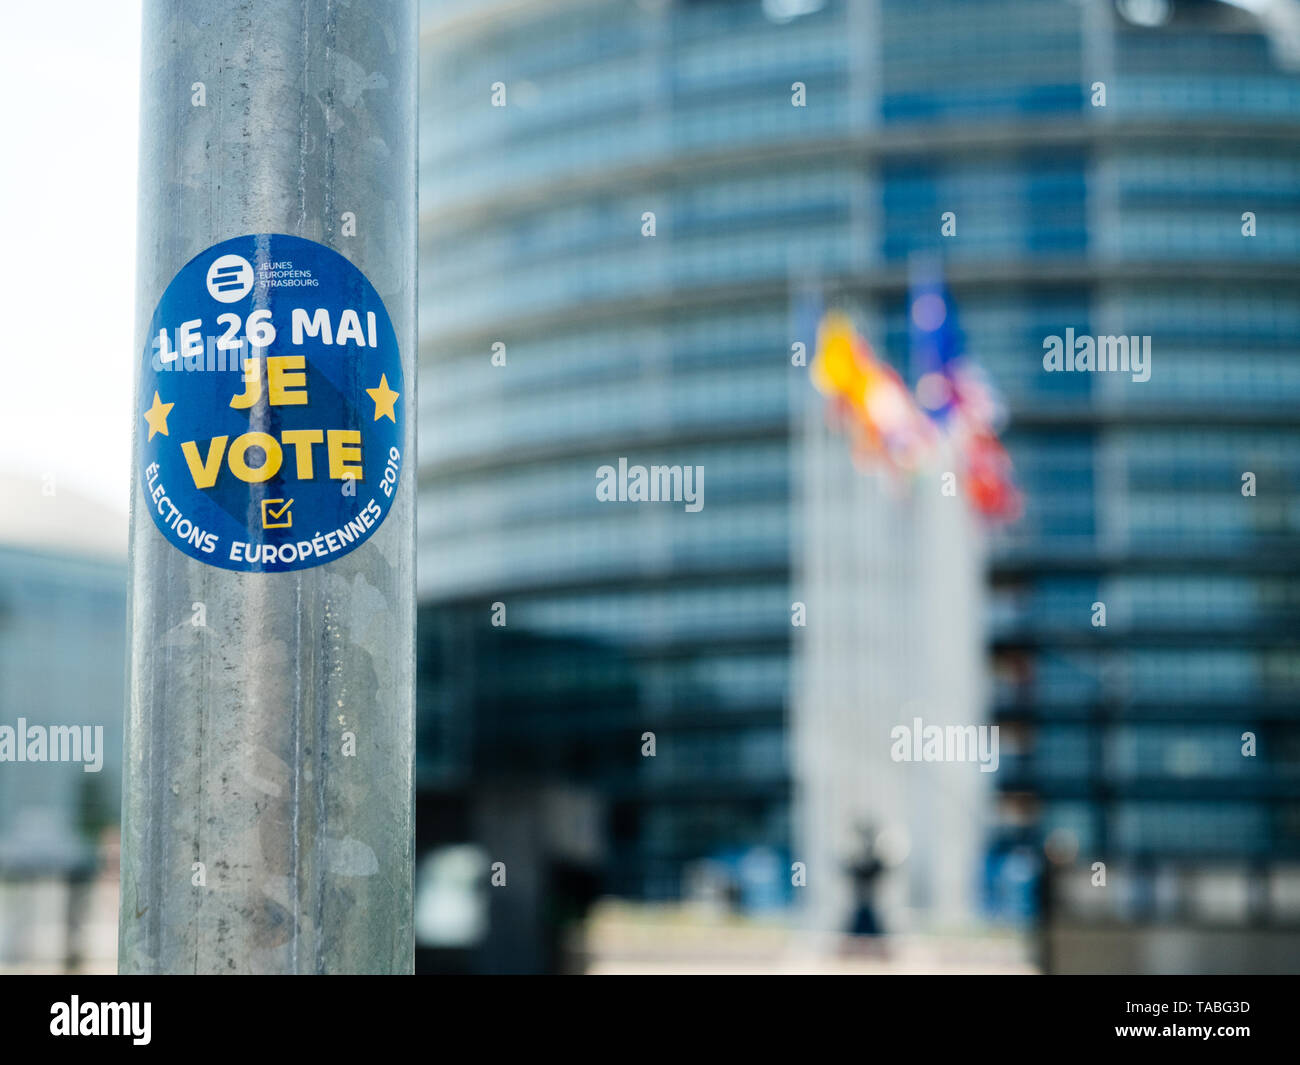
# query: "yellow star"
[[156, 416], [384, 398]]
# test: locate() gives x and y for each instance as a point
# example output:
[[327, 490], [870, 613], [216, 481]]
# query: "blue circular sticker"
[[272, 406]]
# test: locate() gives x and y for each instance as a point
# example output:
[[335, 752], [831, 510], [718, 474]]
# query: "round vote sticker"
[[271, 406]]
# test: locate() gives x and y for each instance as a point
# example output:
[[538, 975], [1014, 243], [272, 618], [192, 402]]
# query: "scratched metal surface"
[[234, 729]]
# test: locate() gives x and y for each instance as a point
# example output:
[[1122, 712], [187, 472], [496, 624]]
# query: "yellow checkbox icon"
[[273, 518]]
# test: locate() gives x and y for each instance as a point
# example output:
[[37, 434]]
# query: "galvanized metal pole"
[[267, 822]]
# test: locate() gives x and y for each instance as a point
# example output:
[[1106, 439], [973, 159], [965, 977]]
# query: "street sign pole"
[[267, 801]]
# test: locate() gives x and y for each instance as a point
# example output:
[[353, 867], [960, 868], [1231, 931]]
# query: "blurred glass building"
[[621, 203], [62, 659]]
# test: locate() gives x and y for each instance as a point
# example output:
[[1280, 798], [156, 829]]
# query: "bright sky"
[[69, 114]]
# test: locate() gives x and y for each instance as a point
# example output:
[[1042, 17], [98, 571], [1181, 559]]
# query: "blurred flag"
[[868, 397], [953, 390]]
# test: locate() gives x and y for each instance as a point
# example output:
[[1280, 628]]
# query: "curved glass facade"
[[558, 336]]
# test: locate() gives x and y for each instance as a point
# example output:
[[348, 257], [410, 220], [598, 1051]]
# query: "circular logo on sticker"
[[229, 278], [272, 406]]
